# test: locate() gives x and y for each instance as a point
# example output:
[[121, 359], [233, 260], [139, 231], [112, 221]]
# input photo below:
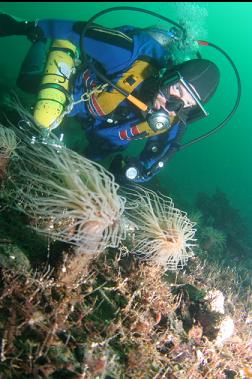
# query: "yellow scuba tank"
[[53, 96]]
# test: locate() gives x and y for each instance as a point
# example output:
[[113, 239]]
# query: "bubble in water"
[[193, 18]]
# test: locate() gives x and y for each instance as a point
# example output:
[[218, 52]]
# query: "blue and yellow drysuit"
[[116, 50]]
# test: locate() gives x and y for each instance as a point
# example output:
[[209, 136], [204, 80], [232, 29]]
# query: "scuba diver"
[[157, 100]]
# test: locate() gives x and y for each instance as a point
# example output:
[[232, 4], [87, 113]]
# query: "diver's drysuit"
[[111, 123]]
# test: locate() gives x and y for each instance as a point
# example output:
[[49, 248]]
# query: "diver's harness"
[[54, 101]]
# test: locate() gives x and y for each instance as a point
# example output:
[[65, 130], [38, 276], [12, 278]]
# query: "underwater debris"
[[68, 197], [164, 235]]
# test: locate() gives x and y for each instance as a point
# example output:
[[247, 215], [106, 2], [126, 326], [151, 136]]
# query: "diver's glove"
[[128, 169], [10, 26], [117, 167]]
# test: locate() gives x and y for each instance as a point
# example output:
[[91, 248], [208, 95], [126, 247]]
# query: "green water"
[[222, 161]]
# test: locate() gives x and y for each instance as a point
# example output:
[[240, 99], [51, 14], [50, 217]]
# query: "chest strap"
[[105, 103]]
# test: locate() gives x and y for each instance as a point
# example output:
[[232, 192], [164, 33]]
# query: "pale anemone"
[[164, 235], [8, 144], [68, 197]]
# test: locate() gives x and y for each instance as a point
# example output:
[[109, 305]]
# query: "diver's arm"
[[157, 153]]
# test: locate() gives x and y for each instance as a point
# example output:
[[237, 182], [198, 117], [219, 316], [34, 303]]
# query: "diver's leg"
[[32, 68], [9, 26], [34, 62]]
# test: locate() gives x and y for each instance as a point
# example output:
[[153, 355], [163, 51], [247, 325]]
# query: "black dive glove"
[[128, 169]]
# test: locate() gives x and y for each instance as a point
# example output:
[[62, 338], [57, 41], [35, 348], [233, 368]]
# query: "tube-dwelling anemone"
[[69, 197], [8, 144], [164, 235]]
